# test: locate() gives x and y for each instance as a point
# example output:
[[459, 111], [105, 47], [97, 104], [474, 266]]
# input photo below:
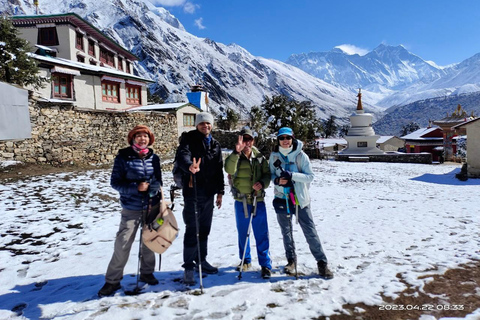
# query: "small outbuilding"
[[473, 145], [390, 143]]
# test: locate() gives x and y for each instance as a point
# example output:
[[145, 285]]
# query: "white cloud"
[[199, 23], [351, 49], [190, 7], [168, 3]]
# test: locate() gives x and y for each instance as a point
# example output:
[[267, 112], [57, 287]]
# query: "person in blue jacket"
[[137, 176], [291, 172]]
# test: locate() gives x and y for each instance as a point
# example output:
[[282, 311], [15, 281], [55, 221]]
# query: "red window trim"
[[129, 90], [110, 97], [56, 78]]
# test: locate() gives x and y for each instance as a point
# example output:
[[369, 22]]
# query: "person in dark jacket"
[[200, 155], [137, 176], [250, 176]]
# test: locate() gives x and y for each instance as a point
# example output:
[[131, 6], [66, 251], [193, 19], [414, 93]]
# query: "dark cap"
[[246, 131]]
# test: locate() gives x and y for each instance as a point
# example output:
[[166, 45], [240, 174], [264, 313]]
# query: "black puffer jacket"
[[210, 177], [128, 171]]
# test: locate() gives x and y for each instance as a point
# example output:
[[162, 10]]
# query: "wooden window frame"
[[189, 120], [133, 94], [120, 64], [79, 41], [47, 36], [67, 84], [91, 48], [108, 89]]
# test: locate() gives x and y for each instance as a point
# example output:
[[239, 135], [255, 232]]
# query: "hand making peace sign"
[[240, 144], [195, 166]]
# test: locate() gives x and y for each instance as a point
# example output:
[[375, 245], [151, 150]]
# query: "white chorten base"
[[362, 145]]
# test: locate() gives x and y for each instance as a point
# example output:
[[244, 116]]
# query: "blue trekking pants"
[[305, 220], [260, 231]]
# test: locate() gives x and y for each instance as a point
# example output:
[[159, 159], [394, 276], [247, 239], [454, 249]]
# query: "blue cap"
[[285, 131]]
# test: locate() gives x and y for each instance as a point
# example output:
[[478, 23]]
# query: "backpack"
[[178, 174]]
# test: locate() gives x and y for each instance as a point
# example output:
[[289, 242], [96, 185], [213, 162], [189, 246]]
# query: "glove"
[[286, 175]]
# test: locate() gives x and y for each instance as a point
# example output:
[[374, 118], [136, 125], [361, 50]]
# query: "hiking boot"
[[290, 267], [189, 277], [148, 278], [246, 266], [207, 268], [323, 270], [266, 273], [108, 289]]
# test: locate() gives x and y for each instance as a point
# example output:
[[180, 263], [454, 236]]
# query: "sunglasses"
[[247, 138], [284, 138]]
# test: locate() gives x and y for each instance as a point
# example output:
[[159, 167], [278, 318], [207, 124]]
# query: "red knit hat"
[[140, 129]]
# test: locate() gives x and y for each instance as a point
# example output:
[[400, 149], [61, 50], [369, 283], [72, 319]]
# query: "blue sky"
[[437, 30]]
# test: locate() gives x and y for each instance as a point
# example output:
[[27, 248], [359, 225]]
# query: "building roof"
[[384, 139], [466, 123], [163, 107], [86, 67], [76, 20], [423, 134]]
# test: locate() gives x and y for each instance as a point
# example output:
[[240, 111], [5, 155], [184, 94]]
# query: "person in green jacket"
[[250, 176]]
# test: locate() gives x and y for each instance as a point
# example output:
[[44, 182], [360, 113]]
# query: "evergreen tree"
[[282, 111], [330, 128], [16, 66], [409, 128], [343, 131], [228, 120]]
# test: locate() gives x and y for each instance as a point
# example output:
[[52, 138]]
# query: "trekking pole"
[[254, 211], [198, 232]]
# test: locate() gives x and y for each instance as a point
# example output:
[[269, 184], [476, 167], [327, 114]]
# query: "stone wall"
[[425, 158], [62, 134]]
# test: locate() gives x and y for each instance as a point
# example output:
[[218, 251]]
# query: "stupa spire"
[[359, 104]]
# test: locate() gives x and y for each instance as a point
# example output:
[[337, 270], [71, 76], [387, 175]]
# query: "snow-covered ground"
[[375, 220]]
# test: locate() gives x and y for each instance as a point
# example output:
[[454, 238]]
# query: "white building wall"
[[180, 113], [473, 148]]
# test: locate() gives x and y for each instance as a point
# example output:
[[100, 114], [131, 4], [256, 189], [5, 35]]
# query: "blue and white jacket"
[[298, 163], [128, 171]]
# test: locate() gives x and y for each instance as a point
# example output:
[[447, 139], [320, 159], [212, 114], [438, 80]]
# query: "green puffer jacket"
[[248, 173]]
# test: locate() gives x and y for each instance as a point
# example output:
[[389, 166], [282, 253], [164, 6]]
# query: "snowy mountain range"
[[176, 59], [391, 75]]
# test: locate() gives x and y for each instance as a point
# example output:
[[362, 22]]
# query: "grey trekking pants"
[[123, 243], [305, 220]]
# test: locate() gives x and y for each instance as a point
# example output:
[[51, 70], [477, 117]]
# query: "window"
[[362, 144], [107, 57], [91, 48], [120, 64], [47, 36], [188, 120], [127, 67], [62, 85], [133, 94], [110, 91], [79, 43]]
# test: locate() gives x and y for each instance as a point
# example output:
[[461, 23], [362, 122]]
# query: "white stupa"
[[361, 138]]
